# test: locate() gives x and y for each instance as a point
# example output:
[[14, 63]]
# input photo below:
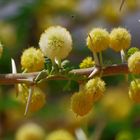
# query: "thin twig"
[[98, 130], [122, 3], [94, 53]]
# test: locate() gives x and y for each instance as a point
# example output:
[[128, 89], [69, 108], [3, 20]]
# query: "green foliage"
[[48, 64], [132, 51]]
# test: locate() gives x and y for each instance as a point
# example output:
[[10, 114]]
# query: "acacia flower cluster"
[[99, 39], [30, 131], [33, 131], [134, 91], [120, 39], [82, 101], [60, 135], [55, 45], [32, 60], [87, 63], [134, 68], [134, 63]]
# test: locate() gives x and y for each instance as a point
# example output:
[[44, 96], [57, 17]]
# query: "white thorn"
[[123, 56], [80, 134], [29, 100], [95, 70], [14, 71], [14, 68]]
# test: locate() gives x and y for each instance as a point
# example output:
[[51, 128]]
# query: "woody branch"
[[116, 69]]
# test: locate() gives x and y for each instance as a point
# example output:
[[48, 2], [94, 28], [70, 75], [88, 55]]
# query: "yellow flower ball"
[[56, 43], [60, 135], [111, 13], [116, 105], [81, 103], [32, 60], [120, 39], [87, 63], [134, 90], [8, 34], [96, 87], [98, 40], [30, 131], [38, 98], [134, 63]]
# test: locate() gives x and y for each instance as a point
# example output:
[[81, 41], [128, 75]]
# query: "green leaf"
[[67, 66], [42, 75], [48, 64]]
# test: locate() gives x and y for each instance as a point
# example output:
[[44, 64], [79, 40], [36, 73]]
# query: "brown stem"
[[122, 3], [7, 79]]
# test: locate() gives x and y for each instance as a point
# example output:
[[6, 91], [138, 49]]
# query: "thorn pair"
[[30, 91]]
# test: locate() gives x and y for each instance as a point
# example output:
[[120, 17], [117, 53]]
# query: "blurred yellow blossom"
[[60, 134], [87, 63], [30, 131]]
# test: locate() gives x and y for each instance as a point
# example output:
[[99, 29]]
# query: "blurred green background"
[[115, 117]]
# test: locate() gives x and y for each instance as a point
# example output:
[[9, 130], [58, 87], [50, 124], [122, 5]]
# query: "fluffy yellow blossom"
[[111, 13], [87, 63], [98, 40], [8, 33], [134, 63], [30, 131], [96, 87], [32, 60], [134, 90], [116, 104], [60, 135], [120, 39], [38, 98], [56, 43], [81, 103]]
